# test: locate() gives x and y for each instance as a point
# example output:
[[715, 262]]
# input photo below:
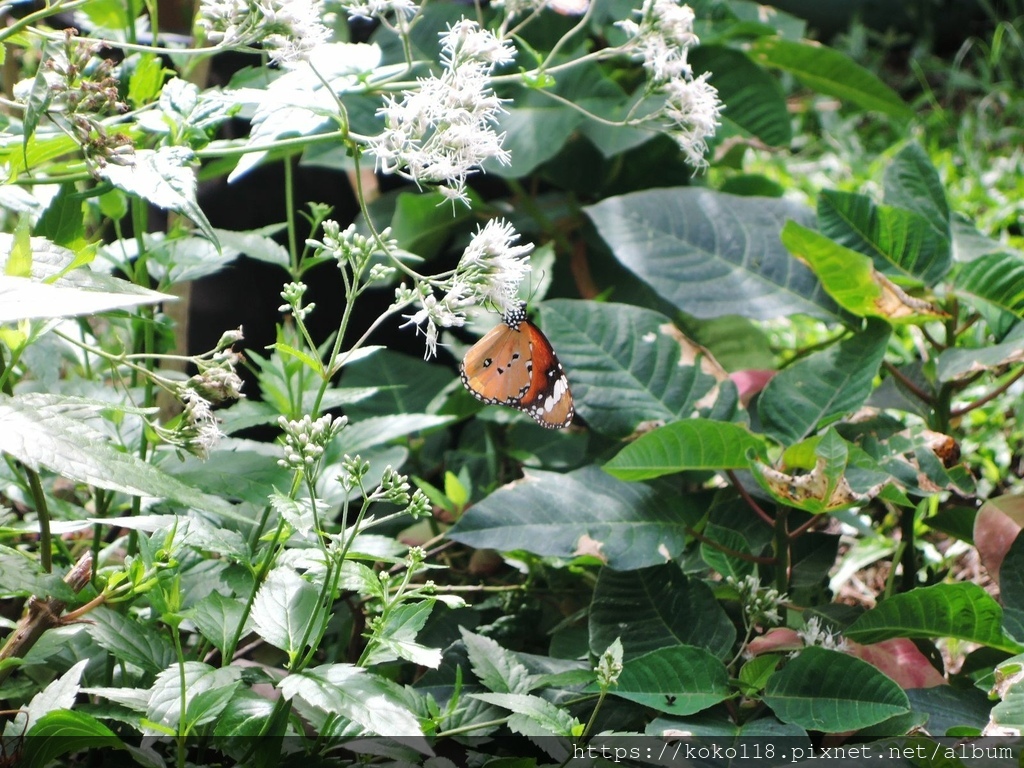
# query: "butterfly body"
[[514, 365]]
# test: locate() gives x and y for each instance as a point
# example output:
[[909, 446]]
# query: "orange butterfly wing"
[[514, 365]]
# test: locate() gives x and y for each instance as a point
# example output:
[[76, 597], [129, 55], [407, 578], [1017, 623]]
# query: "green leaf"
[[664, 609], [163, 177], [207, 706], [53, 291], [62, 731], [755, 104], [1008, 714], [958, 362], [963, 610], [331, 690], [396, 637], [217, 616], [830, 72], [535, 127], [625, 366], [378, 430], [417, 227], [679, 680], [48, 431], [997, 278], [285, 606], [237, 469], [63, 221], [850, 278], [833, 692], [586, 512], [685, 445], [498, 668], [712, 254], [313, 363], [131, 641], [723, 562], [146, 80], [195, 678], [246, 715], [1011, 575], [552, 720], [901, 243], [911, 182], [824, 386], [403, 384]]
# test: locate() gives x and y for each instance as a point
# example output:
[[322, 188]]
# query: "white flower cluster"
[[663, 38], [489, 272], [379, 9], [814, 634], [442, 131], [288, 29]]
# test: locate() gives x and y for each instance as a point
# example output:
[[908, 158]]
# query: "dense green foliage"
[[796, 422]]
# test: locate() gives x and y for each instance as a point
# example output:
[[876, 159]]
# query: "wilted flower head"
[[217, 381], [198, 431], [289, 29], [444, 130]]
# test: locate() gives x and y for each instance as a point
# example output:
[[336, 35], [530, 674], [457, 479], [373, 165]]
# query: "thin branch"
[[926, 397], [989, 397], [748, 498], [730, 552]]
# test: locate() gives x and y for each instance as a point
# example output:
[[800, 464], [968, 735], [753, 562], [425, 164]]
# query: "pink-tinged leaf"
[[901, 661], [775, 640], [996, 526], [750, 382]]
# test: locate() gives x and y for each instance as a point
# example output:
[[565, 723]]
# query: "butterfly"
[[514, 365]]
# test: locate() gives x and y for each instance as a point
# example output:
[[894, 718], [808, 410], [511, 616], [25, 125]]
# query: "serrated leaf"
[[497, 668], [195, 677], [246, 715], [831, 72], [285, 605], [57, 695], [62, 731], [626, 366], [163, 177], [131, 641], [397, 635], [63, 221], [824, 386], [627, 525], [712, 254], [348, 691], [685, 445], [664, 609], [678, 679], [207, 705], [217, 616], [553, 720], [44, 431], [962, 610], [828, 691]]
